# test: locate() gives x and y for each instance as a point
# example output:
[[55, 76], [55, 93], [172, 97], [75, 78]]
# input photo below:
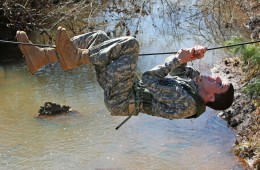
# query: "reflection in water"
[[89, 140]]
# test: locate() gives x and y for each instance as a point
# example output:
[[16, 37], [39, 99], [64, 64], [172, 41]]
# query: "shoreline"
[[243, 116]]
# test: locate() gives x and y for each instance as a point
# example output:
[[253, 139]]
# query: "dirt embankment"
[[244, 115]]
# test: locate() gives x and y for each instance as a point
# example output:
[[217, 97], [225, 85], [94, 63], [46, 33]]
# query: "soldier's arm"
[[177, 63], [184, 56], [161, 71], [185, 71], [173, 101]]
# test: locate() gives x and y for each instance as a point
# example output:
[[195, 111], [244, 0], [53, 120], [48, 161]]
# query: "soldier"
[[184, 94]]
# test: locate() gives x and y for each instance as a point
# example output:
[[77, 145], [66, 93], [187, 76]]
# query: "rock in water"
[[50, 109]]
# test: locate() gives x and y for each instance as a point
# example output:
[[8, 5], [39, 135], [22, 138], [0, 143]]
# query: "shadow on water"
[[89, 140]]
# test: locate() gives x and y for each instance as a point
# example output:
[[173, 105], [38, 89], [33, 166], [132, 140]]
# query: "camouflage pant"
[[115, 62]]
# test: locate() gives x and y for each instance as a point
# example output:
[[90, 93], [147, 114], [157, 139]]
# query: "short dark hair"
[[223, 100]]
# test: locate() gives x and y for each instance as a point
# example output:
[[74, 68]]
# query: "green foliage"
[[254, 88], [249, 53], [234, 40]]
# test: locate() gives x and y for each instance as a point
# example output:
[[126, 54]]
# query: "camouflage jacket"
[[170, 100]]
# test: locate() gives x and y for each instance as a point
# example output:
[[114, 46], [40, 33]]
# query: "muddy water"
[[89, 140]]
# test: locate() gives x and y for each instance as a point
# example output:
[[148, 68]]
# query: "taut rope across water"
[[145, 54]]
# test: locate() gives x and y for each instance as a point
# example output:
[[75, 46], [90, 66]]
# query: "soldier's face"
[[214, 85]]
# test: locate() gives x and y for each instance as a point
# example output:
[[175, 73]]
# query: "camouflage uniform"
[[170, 99], [115, 62]]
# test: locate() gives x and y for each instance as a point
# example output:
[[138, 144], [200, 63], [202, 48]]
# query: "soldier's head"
[[216, 94]]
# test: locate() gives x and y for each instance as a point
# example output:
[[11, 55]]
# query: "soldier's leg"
[[120, 76], [37, 57], [115, 63], [89, 39], [96, 53], [116, 73], [72, 56]]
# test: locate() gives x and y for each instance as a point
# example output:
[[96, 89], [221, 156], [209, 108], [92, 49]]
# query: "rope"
[[208, 49], [123, 122], [39, 45], [145, 54]]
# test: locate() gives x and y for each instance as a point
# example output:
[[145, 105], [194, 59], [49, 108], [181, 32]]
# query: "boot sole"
[[28, 60], [61, 60]]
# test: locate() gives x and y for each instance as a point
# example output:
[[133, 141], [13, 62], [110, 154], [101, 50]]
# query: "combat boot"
[[35, 57], [70, 55]]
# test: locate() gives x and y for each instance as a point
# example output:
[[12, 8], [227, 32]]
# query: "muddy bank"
[[244, 115]]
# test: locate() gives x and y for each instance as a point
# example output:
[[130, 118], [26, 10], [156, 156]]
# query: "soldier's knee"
[[134, 41], [102, 34], [131, 46]]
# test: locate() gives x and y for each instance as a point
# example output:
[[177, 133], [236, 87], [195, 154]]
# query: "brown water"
[[89, 140]]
